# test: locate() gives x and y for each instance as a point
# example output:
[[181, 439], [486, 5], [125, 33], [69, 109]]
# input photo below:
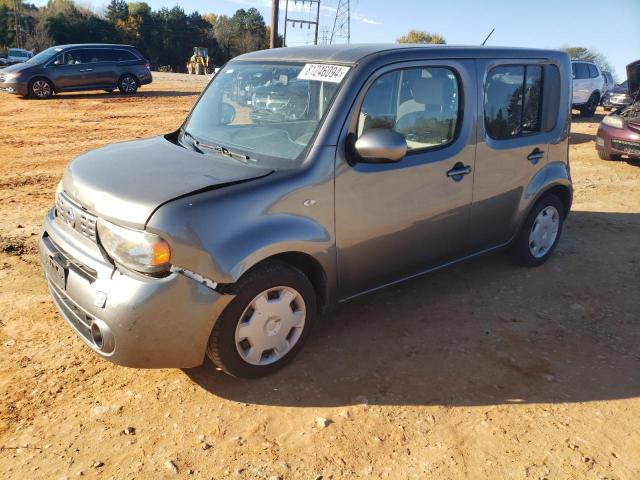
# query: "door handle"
[[87, 70], [535, 156], [458, 171]]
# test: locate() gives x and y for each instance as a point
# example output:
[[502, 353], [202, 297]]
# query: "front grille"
[[76, 316], [626, 147], [75, 216]]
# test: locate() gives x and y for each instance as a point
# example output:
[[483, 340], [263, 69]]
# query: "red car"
[[619, 132]]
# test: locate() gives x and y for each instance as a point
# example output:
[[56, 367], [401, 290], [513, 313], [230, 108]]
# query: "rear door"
[[581, 82], [400, 219], [519, 105]]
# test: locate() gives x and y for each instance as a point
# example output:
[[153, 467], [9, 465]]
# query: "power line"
[[301, 21]]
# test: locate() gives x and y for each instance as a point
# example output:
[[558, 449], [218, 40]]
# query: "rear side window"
[[593, 71], [422, 104], [513, 101], [124, 56], [580, 71]]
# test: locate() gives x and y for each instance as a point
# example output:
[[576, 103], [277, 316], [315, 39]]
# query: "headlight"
[[135, 249], [613, 121], [9, 77]]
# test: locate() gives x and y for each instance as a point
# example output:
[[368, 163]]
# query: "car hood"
[[16, 67], [127, 182], [633, 77]]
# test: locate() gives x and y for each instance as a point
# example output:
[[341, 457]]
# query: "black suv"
[[68, 68]]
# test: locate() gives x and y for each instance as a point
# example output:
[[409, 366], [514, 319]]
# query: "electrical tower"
[[302, 21], [342, 22]]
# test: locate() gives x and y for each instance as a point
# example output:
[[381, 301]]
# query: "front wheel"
[[128, 84], [267, 323], [40, 88], [541, 231], [608, 156]]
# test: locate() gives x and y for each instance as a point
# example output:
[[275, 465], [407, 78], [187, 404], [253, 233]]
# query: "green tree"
[[117, 10], [417, 36]]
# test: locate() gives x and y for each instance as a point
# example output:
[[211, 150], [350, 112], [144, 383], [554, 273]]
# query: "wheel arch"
[[308, 265], [43, 77]]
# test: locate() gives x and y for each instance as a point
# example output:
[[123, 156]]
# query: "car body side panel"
[[221, 234]]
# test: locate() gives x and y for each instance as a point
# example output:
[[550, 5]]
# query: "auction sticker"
[[322, 72]]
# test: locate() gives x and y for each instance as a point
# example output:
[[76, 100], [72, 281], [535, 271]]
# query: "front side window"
[[512, 101], [422, 104], [262, 110]]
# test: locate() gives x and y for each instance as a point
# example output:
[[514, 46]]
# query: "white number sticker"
[[323, 73]]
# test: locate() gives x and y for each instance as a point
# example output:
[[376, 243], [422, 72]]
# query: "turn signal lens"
[[135, 249]]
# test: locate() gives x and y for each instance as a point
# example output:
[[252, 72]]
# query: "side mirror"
[[381, 145]]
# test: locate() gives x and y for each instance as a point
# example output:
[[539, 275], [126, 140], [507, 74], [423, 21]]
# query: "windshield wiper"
[[242, 157], [193, 141]]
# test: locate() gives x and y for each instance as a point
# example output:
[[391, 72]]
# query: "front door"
[[400, 219]]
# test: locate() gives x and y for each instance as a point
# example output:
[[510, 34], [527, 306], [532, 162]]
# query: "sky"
[[537, 23]]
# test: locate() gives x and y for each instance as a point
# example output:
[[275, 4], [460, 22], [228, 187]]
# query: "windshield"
[[45, 55], [261, 113]]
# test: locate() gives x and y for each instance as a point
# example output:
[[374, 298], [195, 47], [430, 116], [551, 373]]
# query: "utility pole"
[[17, 22], [342, 22], [275, 15], [308, 23]]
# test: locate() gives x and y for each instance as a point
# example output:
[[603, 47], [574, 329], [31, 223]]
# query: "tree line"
[[166, 36]]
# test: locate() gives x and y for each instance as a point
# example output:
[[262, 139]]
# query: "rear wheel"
[[608, 156], [541, 231], [40, 88], [266, 324], [589, 108], [128, 84]]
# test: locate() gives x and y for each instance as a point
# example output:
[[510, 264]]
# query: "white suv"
[[588, 87]]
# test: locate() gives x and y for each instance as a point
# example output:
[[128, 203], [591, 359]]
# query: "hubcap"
[[129, 84], [270, 326], [41, 89], [544, 231]]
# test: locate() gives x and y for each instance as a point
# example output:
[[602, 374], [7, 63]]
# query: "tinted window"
[[73, 57], [422, 104], [512, 101], [124, 55], [581, 71], [105, 55], [91, 55], [593, 71]]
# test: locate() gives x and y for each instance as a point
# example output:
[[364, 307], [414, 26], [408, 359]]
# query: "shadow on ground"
[[119, 96], [484, 332]]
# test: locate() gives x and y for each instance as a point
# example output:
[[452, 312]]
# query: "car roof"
[[354, 53], [93, 45]]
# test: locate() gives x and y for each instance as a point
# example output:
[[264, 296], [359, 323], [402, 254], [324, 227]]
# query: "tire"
[[258, 299], [40, 88], [128, 84], [608, 156], [533, 250], [589, 108]]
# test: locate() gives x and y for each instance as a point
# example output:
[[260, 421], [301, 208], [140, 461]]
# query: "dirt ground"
[[485, 370]]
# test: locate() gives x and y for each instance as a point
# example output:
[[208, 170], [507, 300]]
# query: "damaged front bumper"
[[128, 318]]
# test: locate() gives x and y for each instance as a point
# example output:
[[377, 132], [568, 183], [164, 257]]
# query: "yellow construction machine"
[[198, 64]]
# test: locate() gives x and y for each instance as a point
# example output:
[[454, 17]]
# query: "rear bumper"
[[145, 78], [141, 321]]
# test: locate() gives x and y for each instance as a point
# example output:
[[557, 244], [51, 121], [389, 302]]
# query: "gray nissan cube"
[[304, 177]]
